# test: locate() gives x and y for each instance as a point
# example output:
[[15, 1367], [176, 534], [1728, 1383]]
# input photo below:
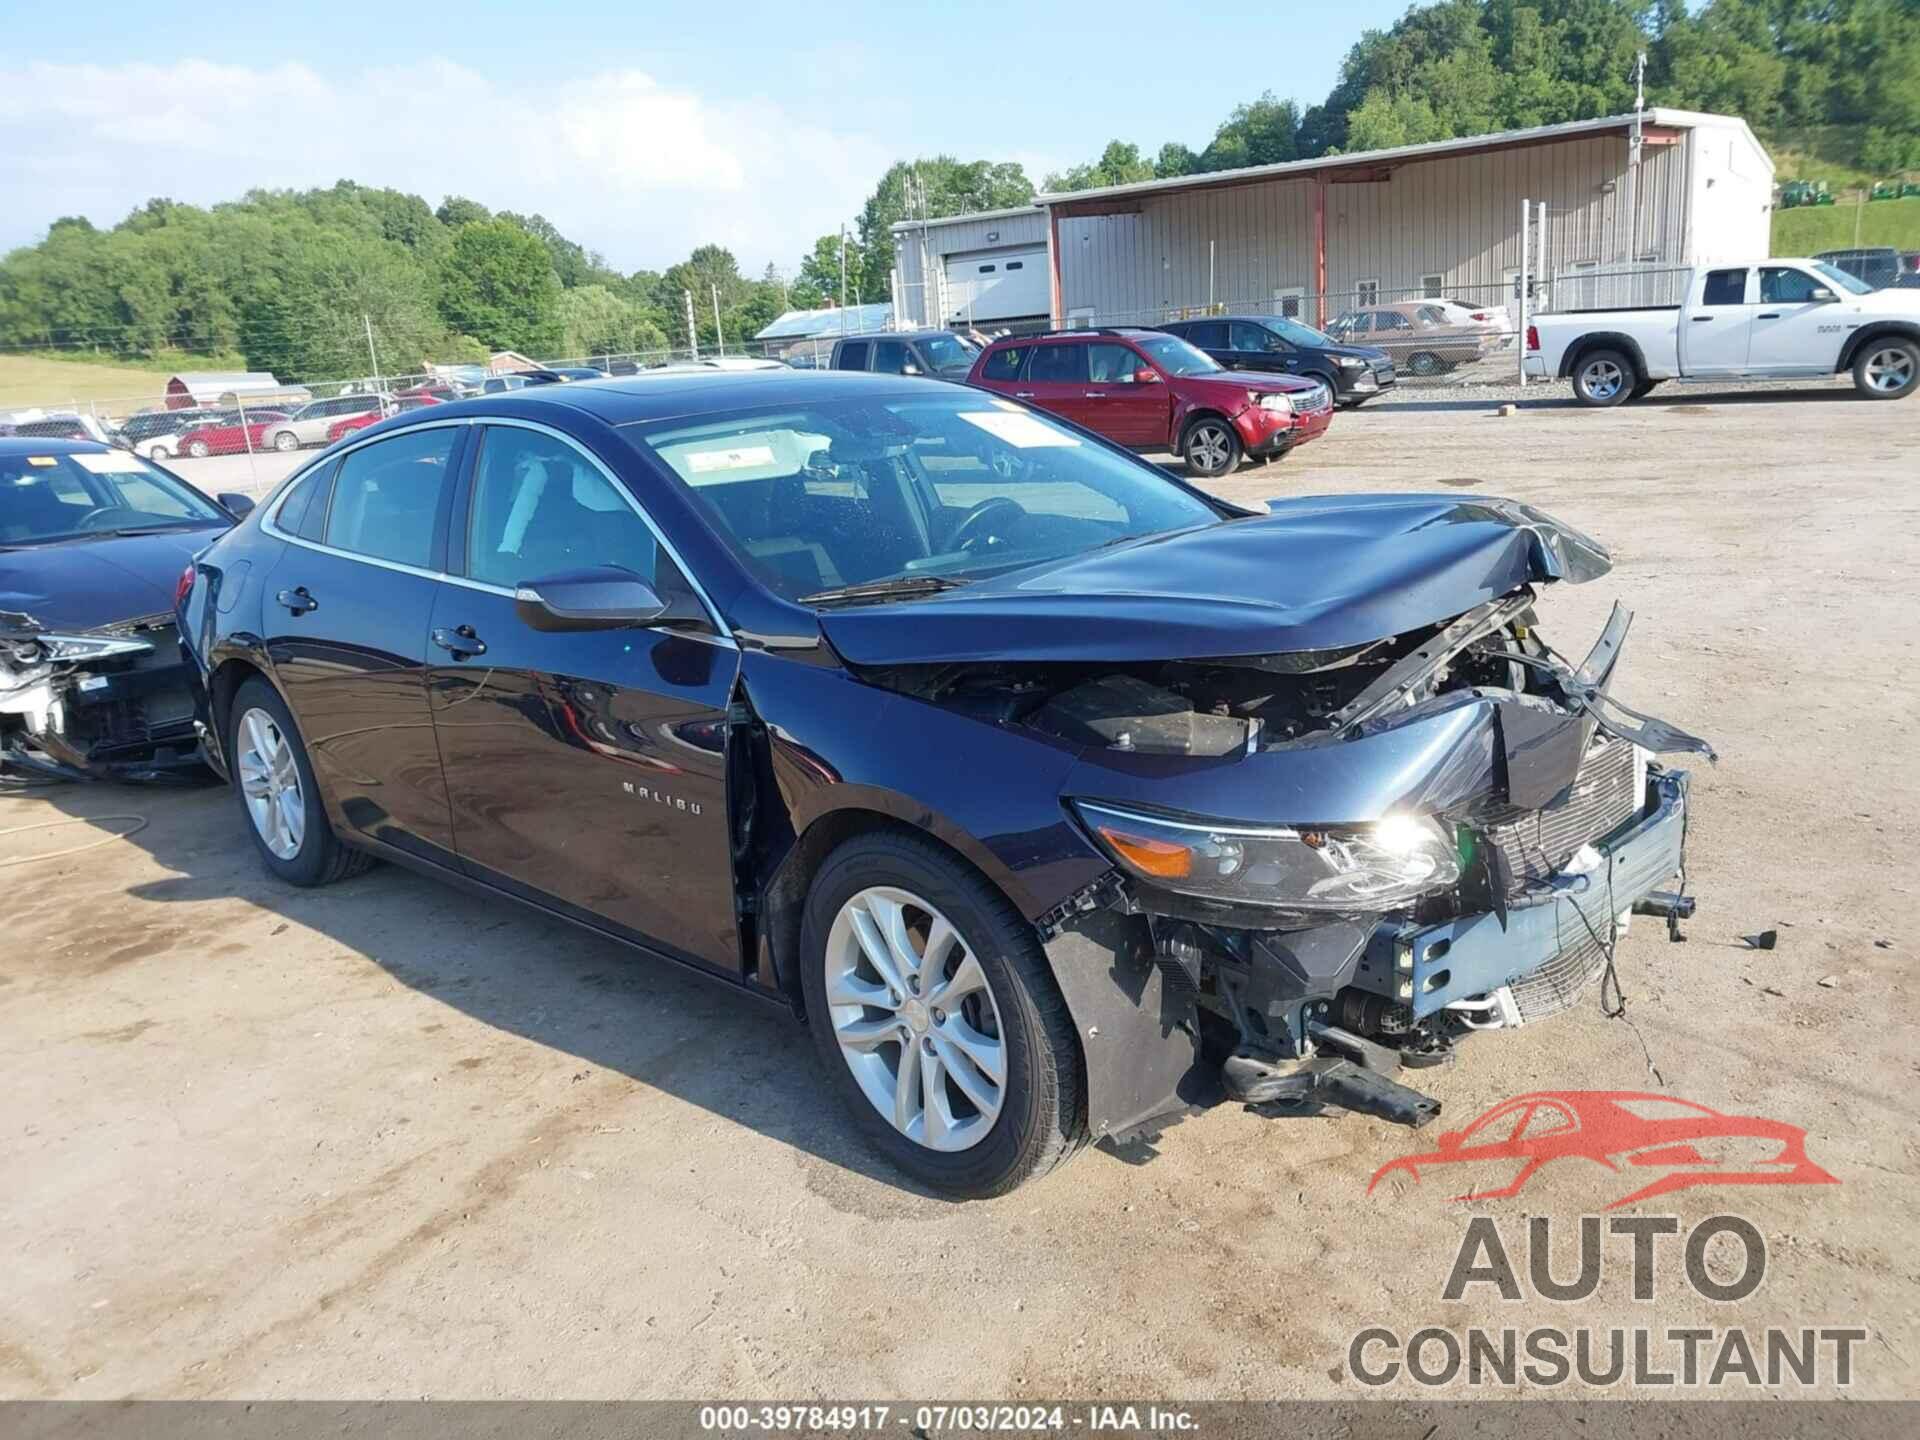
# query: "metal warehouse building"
[[1315, 237]]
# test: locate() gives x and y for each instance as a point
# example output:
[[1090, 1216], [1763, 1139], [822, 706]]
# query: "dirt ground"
[[388, 1140]]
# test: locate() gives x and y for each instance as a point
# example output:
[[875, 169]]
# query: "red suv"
[[1153, 391]]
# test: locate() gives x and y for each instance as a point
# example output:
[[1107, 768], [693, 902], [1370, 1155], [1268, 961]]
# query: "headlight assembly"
[[76, 649], [1277, 404], [1381, 866]]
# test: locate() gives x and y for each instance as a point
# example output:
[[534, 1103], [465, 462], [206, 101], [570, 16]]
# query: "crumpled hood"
[[83, 585], [1316, 573]]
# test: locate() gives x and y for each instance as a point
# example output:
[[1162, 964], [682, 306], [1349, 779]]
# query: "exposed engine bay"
[[1308, 951], [107, 703]]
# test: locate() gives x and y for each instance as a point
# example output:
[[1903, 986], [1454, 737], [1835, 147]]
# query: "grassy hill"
[[1811, 229], [117, 386]]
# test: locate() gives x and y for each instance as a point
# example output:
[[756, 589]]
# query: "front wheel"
[[1210, 447], [286, 440], [199, 449], [1603, 378], [937, 1019], [1887, 369], [273, 780], [159, 452]]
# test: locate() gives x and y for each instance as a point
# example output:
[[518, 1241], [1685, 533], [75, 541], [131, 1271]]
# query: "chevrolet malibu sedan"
[[1056, 796]]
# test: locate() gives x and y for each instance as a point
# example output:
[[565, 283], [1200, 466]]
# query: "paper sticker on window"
[[747, 457], [114, 462], [1018, 428], [42, 462]]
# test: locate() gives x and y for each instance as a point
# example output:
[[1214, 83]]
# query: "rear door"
[[346, 614], [1057, 379], [1793, 333], [1716, 333], [584, 769], [852, 355], [1117, 405]]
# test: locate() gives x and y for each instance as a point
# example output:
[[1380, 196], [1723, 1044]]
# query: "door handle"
[[460, 642], [1023, 394], [1096, 395], [1770, 315], [1703, 319], [298, 600]]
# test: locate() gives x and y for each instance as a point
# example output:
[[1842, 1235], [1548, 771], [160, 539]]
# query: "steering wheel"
[[86, 521], [975, 524]]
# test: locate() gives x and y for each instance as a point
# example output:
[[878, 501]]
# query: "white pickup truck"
[[1768, 319]]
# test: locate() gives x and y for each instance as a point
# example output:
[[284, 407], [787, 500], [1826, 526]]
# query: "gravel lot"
[[389, 1140]]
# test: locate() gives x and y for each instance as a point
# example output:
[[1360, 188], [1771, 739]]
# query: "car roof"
[[35, 445], [635, 399], [894, 335]]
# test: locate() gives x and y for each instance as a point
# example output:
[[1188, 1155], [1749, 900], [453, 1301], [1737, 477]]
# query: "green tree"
[[938, 185], [457, 210], [1121, 163], [1263, 132], [596, 321], [497, 285]]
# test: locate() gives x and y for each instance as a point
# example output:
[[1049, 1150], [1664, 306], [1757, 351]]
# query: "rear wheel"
[[1210, 447], [1603, 378], [274, 783], [937, 1019], [286, 440], [1887, 369], [1425, 362], [160, 452], [198, 449]]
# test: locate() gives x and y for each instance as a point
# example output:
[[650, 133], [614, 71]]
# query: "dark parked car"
[[1047, 788], [1354, 373], [939, 353], [1154, 392], [1878, 265], [92, 541]]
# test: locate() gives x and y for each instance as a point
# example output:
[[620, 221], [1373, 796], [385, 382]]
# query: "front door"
[[1257, 348], [1119, 406], [1793, 333], [346, 619], [1715, 335], [585, 769]]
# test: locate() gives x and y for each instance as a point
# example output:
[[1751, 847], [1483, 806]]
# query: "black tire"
[[1210, 447], [321, 859], [1883, 360], [1425, 362], [1644, 389], [1042, 1120], [1604, 378], [286, 440], [199, 449]]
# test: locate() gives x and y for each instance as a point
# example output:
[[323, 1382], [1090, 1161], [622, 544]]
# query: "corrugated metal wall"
[[956, 237]]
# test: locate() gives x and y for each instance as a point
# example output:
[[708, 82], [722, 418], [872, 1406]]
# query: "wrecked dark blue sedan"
[[1056, 795]]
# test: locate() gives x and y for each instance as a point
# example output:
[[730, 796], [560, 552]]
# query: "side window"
[[1112, 364], [853, 356], [1783, 285], [1545, 1120], [293, 510], [1725, 287], [890, 356], [1253, 338], [540, 507], [387, 495], [1390, 320], [1058, 364], [1005, 364], [1208, 335]]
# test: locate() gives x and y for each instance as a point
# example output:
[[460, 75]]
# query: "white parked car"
[[1786, 319], [310, 423]]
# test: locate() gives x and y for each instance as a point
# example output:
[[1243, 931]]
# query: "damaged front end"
[[109, 703], [1331, 863]]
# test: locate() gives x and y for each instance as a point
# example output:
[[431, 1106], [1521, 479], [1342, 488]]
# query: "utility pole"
[[843, 274], [693, 336], [1633, 158], [372, 355], [719, 337]]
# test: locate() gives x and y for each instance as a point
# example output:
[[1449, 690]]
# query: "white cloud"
[[628, 166]]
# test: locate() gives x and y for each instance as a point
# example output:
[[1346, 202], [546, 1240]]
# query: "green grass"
[[1820, 152], [117, 386], [1809, 229]]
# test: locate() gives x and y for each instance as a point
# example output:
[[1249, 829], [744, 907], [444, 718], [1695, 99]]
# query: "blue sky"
[[640, 130]]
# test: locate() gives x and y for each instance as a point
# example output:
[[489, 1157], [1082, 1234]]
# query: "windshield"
[[915, 491], [1176, 356], [1834, 273], [949, 352], [46, 498], [1294, 333]]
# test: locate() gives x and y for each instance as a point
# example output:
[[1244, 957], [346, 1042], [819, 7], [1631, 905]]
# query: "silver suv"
[[309, 424]]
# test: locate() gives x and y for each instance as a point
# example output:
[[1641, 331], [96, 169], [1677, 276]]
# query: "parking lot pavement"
[[387, 1139], [251, 475]]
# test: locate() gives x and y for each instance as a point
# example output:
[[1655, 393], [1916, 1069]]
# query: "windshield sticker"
[[114, 462], [1019, 429], [42, 462], [747, 457]]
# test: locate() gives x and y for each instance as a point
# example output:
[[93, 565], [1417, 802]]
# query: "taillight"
[[1533, 337], [184, 585], [1481, 315]]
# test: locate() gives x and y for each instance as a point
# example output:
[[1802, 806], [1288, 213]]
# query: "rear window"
[[852, 356], [1725, 287], [1005, 364], [1058, 364]]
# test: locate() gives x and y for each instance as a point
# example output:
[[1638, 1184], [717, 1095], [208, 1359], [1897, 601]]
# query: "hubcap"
[[916, 1020], [1603, 379], [1209, 448], [270, 782], [283, 442], [1890, 369]]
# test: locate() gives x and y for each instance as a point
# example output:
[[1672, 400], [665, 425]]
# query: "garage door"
[[997, 284]]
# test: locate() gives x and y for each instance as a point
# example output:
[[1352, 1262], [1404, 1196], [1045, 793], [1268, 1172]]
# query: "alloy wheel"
[[915, 1019], [1209, 447], [270, 783], [284, 441], [1890, 369], [1603, 379]]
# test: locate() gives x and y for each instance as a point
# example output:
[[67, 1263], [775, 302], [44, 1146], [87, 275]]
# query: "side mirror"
[[604, 597], [909, 368], [1145, 376], [1821, 294], [239, 505]]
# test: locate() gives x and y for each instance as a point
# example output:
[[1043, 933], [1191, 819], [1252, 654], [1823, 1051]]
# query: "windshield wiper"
[[901, 587]]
